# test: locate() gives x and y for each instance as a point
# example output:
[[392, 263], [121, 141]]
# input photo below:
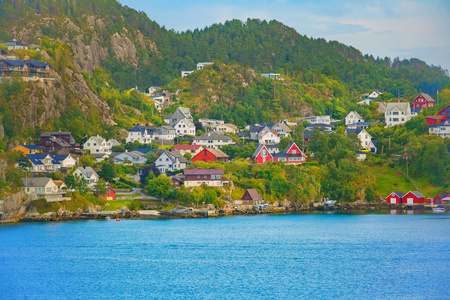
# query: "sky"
[[394, 28]]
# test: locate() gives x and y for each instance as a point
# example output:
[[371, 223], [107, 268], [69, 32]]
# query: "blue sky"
[[403, 28]]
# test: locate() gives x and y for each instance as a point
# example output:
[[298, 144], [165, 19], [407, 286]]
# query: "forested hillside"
[[139, 52]]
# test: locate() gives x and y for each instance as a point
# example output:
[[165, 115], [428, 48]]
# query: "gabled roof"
[[36, 181], [38, 64], [445, 123], [14, 62], [36, 159], [253, 194], [426, 96], [416, 193], [87, 172], [355, 113], [185, 111], [444, 109], [60, 142], [283, 126], [55, 133], [137, 128], [258, 150], [203, 172], [401, 106], [61, 157], [442, 196], [273, 132], [355, 131], [399, 194], [16, 43], [217, 153], [173, 155], [96, 139], [145, 150]]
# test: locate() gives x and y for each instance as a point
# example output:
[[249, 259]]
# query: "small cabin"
[[394, 198], [110, 194], [251, 197]]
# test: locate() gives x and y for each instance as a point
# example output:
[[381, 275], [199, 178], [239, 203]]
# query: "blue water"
[[331, 256]]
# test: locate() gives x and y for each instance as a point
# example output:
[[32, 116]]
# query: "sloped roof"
[[96, 139], [38, 64], [16, 43], [32, 147], [426, 96], [260, 147], [36, 181], [185, 111], [399, 194], [55, 133], [401, 106], [217, 152], [416, 193], [283, 126], [203, 172], [14, 62], [355, 113], [355, 131], [86, 171], [60, 142], [253, 194]]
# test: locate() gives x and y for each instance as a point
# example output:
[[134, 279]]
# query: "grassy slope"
[[390, 179]]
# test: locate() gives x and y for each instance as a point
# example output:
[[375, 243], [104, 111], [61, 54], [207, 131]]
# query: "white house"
[[281, 129], [142, 134], [44, 162], [43, 187], [185, 127], [353, 117], [129, 158], [97, 144], [213, 139], [66, 160], [88, 174], [269, 138], [185, 73], [363, 136], [210, 122], [169, 161], [397, 113], [201, 65], [153, 89], [374, 95], [231, 128], [365, 101], [319, 119], [442, 130], [180, 114], [167, 133]]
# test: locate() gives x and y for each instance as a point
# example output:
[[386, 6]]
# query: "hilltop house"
[[192, 149], [15, 45], [364, 137], [142, 134], [212, 139], [43, 187], [180, 114], [397, 113], [352, 118], [365, 101], [28, 149], [97, 144], [442, 130], [88, 174], [281, 129], [198, 177], [185, 127], [423, 101], [169, 161], [211, 155], [437, 119], [268, 138], [291, 155], [24, 67], [374, 95], [43, 162]]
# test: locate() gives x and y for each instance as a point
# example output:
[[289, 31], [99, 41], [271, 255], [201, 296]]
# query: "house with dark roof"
[[61, 141], [394, 198], [179, 114], [44, 162], [212, 139], [413, 197], [129, 158], [15, 45], [439, 199], [291, 155], [170, 161], [442, 130], [364, 137], [445, 112], [10, 66], [198, 177], [88, 174]]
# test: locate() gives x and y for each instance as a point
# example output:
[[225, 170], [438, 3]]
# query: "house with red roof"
[[445, 112], [413, 197], [394, 198], [423, 101], [192, 149], [251, 197], [437, 119], [211, 155]]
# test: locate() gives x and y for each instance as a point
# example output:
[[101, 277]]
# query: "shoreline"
[[189, 213]]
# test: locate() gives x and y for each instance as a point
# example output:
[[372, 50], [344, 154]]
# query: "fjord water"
[[329, 256]]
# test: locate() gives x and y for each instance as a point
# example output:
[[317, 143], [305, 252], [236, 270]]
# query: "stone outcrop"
[[13, 208], [2, 132], [3, 165]]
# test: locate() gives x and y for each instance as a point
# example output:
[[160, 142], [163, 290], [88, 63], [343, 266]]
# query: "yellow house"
[[29, 149]]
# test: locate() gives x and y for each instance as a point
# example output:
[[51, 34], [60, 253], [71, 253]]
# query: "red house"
[[251, 197], [209, 154], [438, 198], [423, 101], [262, 155], [413, 197], [445, 112], [394, 198], [438, 119], [110, 194], [292, 155]]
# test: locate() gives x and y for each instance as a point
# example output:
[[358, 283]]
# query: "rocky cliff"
[[13, 208]]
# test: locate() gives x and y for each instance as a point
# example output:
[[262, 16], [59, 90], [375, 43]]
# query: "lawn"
[[117, 204]]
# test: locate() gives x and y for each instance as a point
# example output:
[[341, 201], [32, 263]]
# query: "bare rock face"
[[123, 48], [2, 132]]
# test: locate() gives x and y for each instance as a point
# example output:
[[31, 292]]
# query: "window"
[[213, 176], [395, 113], [205, 153]]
